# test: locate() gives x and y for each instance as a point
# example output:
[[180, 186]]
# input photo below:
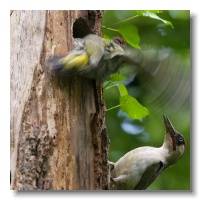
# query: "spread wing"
[[151, 173]]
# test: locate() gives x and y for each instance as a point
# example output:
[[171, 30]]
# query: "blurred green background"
[[163, 90]]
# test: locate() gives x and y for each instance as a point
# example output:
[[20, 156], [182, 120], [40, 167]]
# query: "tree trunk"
[[58, 134]]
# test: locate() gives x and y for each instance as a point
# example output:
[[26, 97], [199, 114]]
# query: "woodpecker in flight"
[[94, 57], [137, 169]]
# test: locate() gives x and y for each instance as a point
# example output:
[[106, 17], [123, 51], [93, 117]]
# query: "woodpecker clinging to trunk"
[[137, 169]]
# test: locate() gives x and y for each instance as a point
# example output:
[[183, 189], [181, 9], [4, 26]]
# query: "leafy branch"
[[130, 32], [128, 104]]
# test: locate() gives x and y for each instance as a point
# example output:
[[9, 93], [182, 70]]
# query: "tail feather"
[[55, 63], [55, 66]]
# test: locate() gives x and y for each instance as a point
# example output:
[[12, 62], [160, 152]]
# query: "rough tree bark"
[[58, 134]]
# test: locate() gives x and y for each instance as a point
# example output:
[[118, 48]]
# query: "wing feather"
[[150, 174]]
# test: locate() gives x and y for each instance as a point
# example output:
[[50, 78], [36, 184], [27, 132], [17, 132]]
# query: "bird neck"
[[169, 155]]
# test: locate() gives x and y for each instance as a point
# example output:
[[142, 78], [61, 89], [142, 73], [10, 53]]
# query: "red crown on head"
[[120, 41]]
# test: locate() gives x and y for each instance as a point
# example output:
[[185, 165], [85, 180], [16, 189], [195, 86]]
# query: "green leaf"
[[140, 12], [116, 78], [106, 37], [133, 108], [122, 89], [130, 34], [154, 16]]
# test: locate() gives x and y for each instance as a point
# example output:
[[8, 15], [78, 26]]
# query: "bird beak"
[[170, 130], [169, 127]]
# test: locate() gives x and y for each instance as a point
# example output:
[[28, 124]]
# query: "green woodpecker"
[[93, 57], [137, 169]]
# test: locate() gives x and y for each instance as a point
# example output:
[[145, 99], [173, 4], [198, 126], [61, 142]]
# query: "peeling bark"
[[58, 133]]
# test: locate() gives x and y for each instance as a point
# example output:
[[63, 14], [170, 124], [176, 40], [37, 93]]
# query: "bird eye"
[[180, 139]]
